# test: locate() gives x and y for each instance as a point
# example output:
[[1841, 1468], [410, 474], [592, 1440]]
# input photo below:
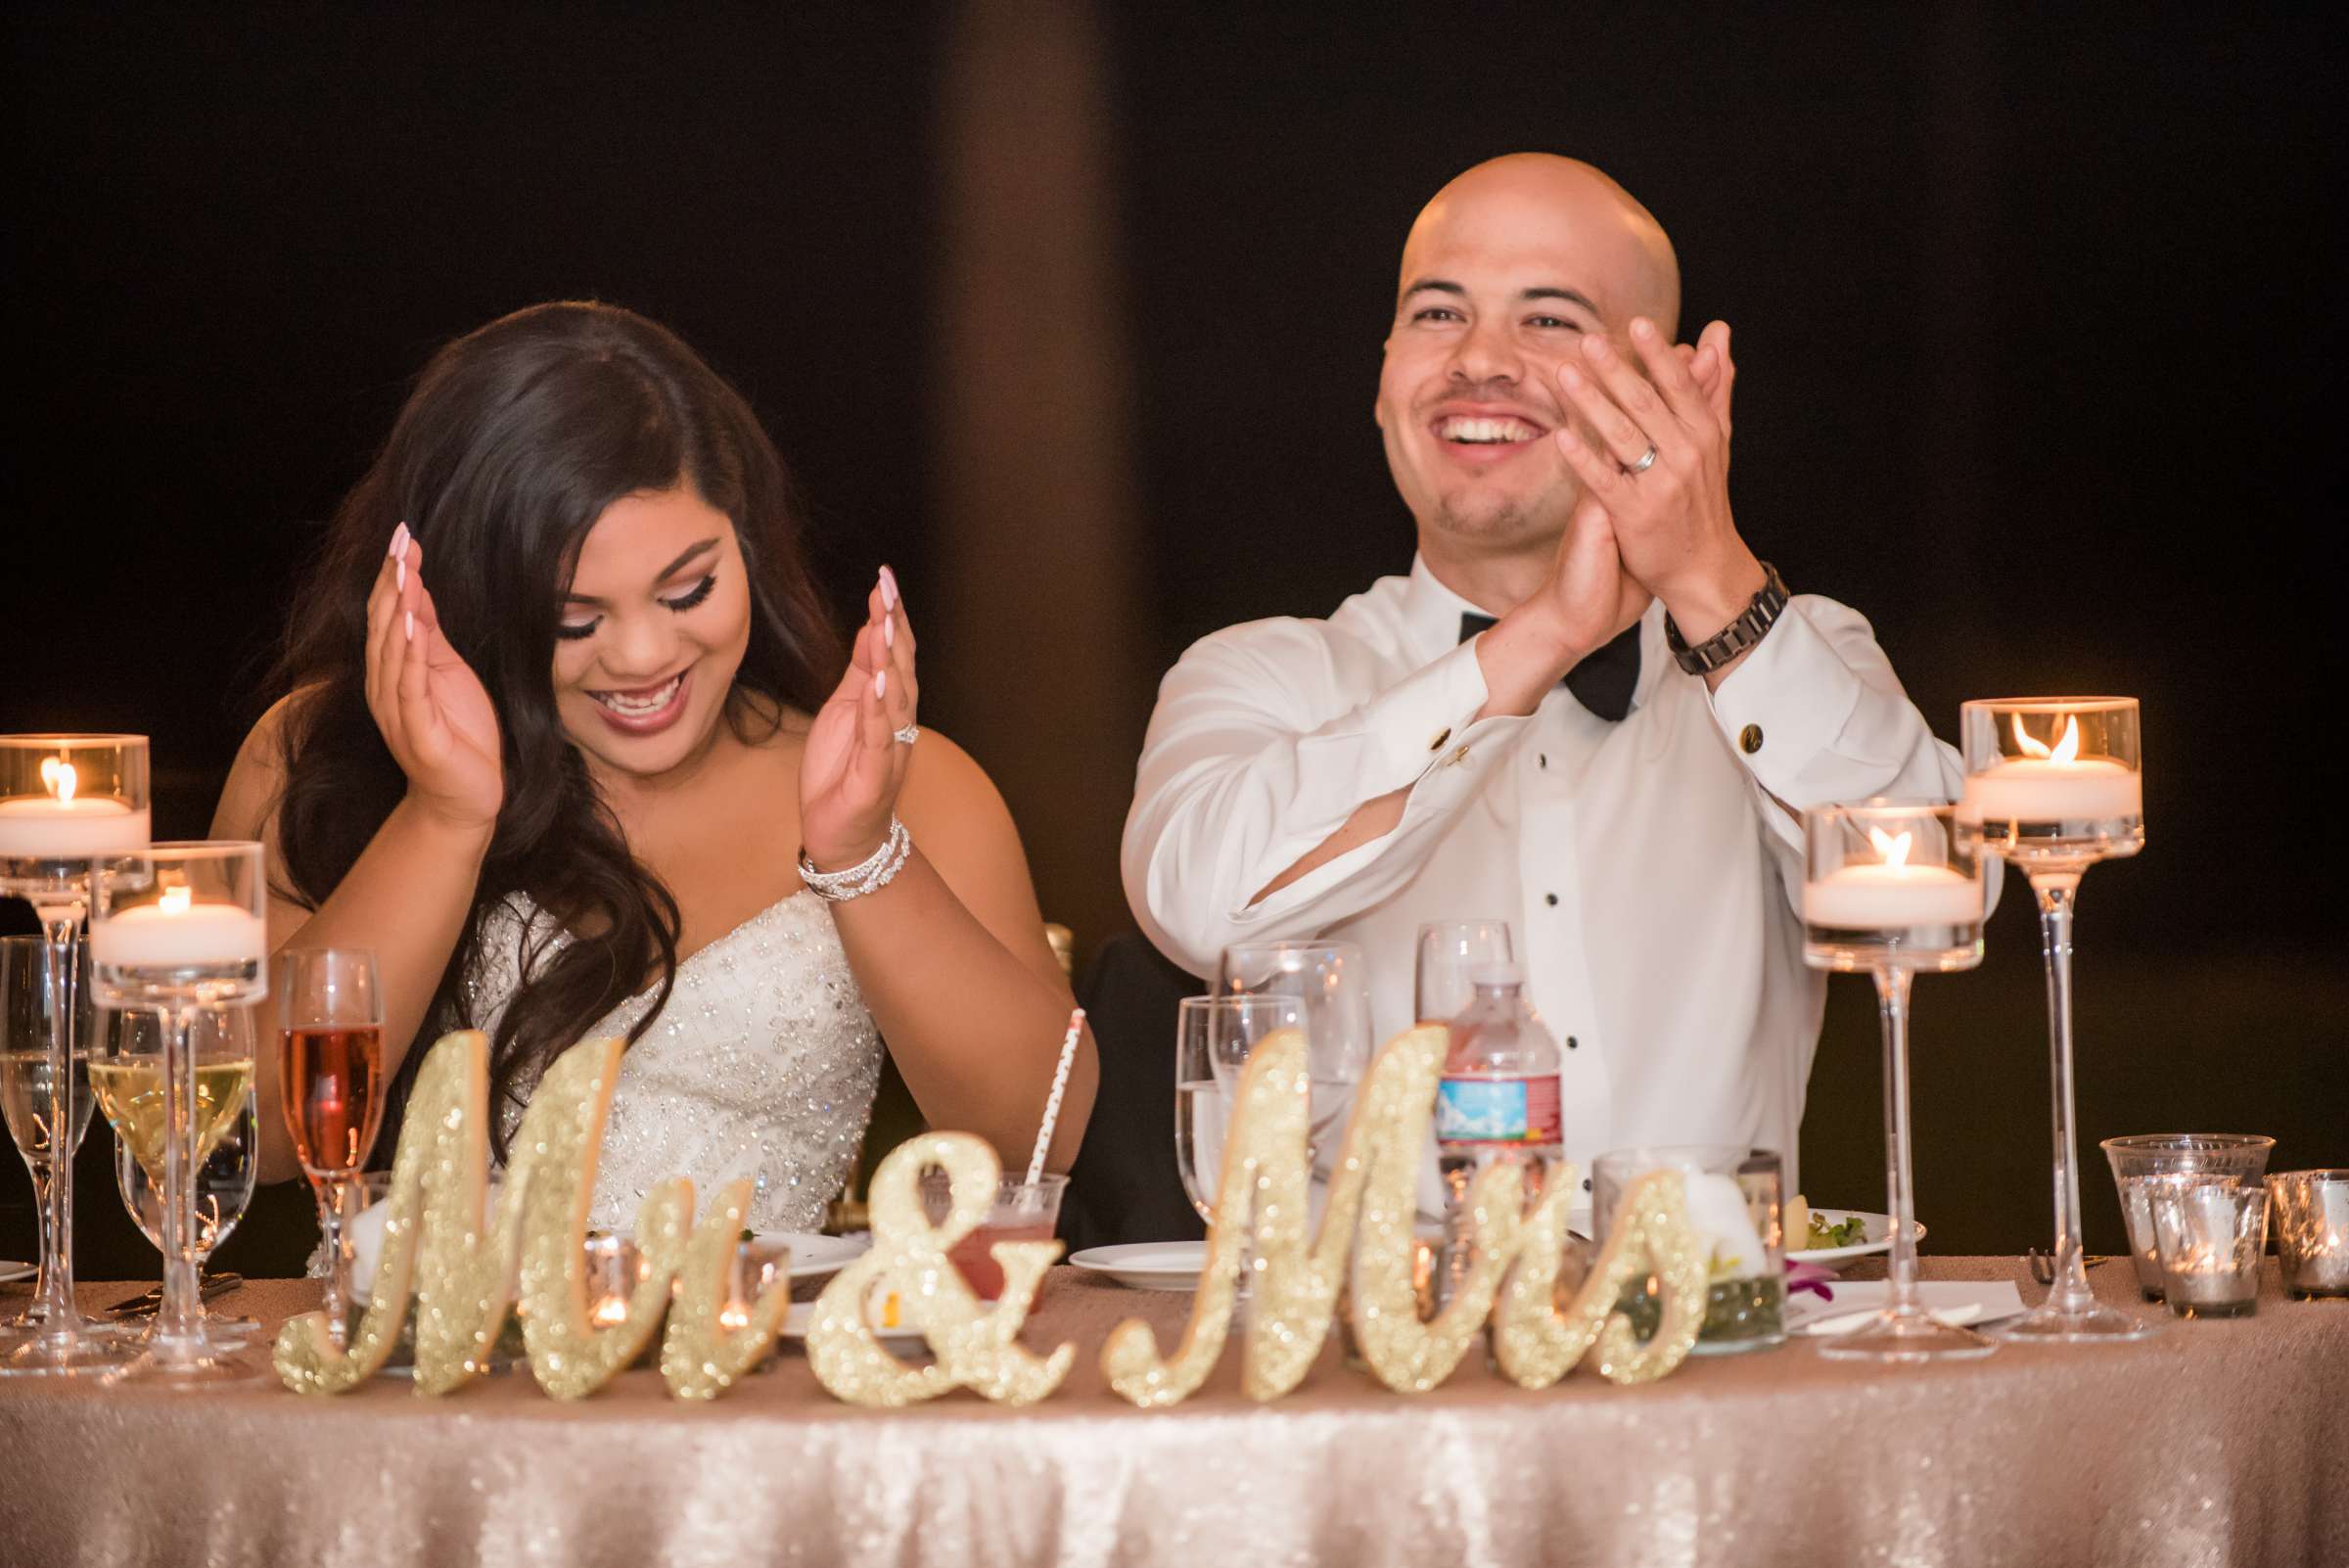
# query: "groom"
[[1589, 710]]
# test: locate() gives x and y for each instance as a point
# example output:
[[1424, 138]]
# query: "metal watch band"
[[1760, 613]]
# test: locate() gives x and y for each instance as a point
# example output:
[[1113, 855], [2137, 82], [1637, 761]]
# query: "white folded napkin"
[[365, 1233], [1954, 1302]]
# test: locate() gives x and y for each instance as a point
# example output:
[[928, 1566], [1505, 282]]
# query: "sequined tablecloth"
[[2216, 1442]]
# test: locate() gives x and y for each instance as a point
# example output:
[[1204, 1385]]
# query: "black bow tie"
[[1603, 682]]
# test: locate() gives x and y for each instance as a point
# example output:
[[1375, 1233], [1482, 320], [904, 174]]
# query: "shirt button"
[[1551, 898], [1572, 1044], [1749, 739], [1459, 756], [1441, 735], [1586, 1183], [1541, 757]]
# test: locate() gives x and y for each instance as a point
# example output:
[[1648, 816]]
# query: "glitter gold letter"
[[974, 1348]]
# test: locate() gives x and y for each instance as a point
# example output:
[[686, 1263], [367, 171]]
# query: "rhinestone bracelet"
[[869, 875]]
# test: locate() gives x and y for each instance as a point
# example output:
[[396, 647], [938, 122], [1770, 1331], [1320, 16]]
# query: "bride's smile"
[[651, 631]]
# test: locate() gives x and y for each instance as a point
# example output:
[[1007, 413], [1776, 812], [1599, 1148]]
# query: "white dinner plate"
[[1876, 1228], [1147, 1265], [820, 1257], [10, 1271], [795, 1326]]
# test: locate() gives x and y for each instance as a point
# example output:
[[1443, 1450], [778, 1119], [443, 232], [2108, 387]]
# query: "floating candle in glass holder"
[[72, 797], [2056, 782], [1887, 882], [2312, 1230], [2211, 1238], [1892, 890]]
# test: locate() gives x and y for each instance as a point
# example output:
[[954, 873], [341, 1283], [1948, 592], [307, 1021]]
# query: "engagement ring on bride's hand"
[[909, 734]]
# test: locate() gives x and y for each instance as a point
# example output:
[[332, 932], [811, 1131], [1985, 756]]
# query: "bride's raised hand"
[[853, 763], [429, 706]]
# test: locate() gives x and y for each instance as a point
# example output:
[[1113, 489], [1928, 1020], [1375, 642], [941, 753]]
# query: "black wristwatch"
[[1760, 613]]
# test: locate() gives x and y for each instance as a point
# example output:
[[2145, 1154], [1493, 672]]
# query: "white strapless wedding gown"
[[762, 1067]]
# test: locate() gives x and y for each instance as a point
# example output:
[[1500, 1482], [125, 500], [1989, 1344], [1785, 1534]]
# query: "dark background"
[[2037, 327]]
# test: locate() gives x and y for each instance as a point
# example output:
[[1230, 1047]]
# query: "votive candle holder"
[[2311, 1211], [2211, 1238]]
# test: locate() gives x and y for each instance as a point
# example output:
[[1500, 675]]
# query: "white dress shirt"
[[1650, 881]]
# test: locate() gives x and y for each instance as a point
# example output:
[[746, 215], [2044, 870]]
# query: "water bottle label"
[[1499, 1110]]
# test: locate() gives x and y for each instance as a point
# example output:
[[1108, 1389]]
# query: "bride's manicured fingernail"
[[400, 575], [889, 630], [880, 682], [889, 589], [400, 540], [411, 624]]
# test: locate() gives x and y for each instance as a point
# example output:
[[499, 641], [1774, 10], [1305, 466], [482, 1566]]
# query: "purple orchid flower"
[[1812, 1278]]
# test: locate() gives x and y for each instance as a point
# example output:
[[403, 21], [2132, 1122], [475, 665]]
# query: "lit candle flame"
[[58, 777], [1894, 851], [176, 901], [2065, 750]]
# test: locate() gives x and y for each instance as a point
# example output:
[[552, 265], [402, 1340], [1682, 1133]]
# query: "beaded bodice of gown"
[[762, 1064]]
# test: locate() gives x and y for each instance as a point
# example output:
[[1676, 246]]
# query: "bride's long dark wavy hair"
[[515, 439]]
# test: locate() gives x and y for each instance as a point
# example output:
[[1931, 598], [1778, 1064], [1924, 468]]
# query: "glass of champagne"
[[331, 1080], [1329, 983], [27, 1093], [72, 808], [1449, 951], [1212, 1037], [190, 934], [2053, 785], [224, 1178], [1891, 889]]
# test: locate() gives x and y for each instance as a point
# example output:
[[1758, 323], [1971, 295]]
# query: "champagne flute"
[[331, 1077], [1449, 951], [224, 1176], [26, 1084]]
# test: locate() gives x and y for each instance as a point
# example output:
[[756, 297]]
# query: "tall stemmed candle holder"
[[2053, 785], [192, 935], [1891, 889], [71, 809]]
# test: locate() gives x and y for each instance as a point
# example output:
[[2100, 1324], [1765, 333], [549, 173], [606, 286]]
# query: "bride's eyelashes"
[[575, 630], [693, 596]]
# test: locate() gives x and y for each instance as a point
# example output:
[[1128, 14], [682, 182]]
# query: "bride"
[[567, 741]]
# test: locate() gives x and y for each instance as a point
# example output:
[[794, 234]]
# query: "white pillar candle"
[[176, 936], [2033, 789], [1887, 897], [40, 827]]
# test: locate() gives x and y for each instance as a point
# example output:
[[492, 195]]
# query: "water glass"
[[1736, 1201], [224, 1176], [1330, 982], [1450, 953]]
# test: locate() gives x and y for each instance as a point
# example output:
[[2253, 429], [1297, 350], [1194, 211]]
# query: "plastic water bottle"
[[1497, 1101]]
